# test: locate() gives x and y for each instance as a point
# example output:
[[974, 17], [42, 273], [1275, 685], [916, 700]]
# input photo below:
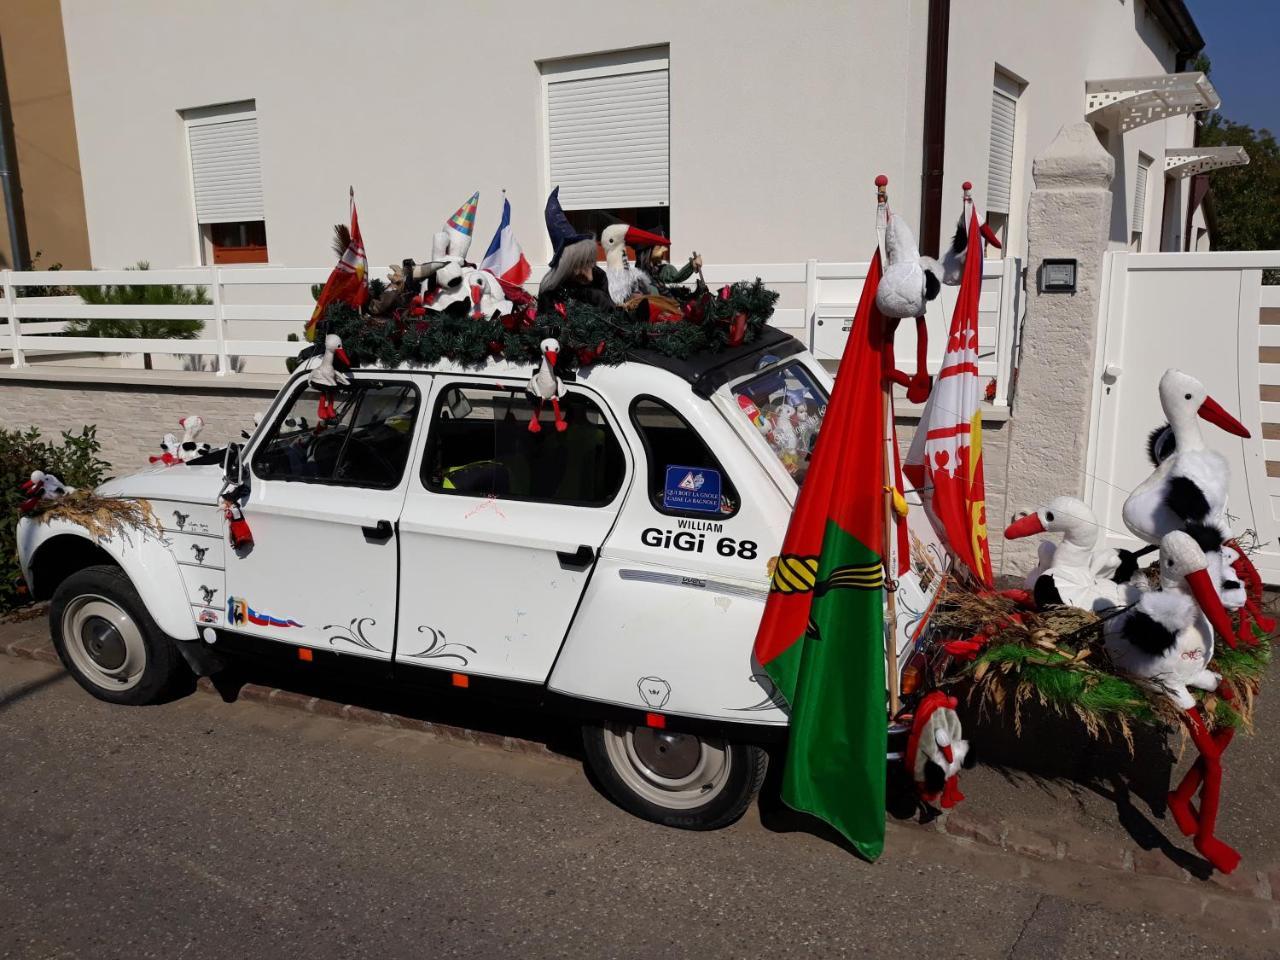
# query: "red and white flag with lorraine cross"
[[945, 459]]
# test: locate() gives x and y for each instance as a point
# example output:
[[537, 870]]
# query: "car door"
[[323, 504], [501, 528]]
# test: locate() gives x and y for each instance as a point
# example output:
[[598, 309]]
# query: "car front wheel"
[[676, 779], [109, 643]]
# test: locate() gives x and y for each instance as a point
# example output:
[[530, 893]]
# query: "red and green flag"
[[822, 636]]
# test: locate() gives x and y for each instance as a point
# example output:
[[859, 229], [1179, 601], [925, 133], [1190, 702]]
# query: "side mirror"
[[232, 466]]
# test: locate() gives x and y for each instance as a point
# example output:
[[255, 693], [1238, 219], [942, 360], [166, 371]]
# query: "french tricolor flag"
[[504, 258]]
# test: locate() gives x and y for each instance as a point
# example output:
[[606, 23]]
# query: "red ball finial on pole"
[[966, 186], [882, 181]]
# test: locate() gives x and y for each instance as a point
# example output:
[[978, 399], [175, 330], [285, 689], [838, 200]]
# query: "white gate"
[[1209, 315]]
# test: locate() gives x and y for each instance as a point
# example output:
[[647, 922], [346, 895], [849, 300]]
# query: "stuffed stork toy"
[[1166, 641], [908, 283], [41, 486], [544, 385], [329, 375], [168, 451], [953, 259], [625, 280], [1188, 488], [1080, 571], [188, 448]]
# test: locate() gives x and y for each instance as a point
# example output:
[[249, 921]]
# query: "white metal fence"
[[816, 305]]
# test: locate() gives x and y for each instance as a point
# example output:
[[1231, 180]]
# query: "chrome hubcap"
[[103, 642]]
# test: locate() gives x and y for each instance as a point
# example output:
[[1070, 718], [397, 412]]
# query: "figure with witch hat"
[[573, 274]]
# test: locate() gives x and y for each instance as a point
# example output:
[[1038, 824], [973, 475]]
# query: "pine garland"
[[586, 334]]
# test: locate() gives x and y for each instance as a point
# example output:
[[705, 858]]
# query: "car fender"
[[650, 638], [145, 558]]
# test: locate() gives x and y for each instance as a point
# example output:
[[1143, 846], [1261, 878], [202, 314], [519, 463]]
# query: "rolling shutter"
[[226, 171], [1140, 195], [608, 139], [1000, 163]]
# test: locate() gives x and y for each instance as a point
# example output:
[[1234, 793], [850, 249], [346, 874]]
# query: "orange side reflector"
[[305, 654], [655, 720], [461, 680]]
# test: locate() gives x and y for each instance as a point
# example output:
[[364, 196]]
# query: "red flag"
[[821, 639], [346, 283], [945, 459]]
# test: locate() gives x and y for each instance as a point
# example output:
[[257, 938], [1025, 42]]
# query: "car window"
[[366, 445], [480, 445], [786, 404], [685, 478]]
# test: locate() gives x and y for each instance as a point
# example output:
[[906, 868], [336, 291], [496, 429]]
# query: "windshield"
[[786, 404]]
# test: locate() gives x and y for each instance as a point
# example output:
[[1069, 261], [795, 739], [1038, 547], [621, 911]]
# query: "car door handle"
[[578, 560], [380, 532]]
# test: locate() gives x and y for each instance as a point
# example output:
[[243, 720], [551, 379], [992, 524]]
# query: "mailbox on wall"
[[1058, 275]]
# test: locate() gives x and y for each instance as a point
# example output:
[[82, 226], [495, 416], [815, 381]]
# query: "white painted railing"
[[816, 305]]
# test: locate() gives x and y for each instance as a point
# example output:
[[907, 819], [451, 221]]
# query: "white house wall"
[[1053, 48], [781, 116]]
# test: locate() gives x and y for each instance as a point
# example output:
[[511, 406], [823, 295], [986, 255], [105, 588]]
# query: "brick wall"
[[130, 418]]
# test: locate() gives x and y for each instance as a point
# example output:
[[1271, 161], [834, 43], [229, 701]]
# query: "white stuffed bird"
[[909, 280]]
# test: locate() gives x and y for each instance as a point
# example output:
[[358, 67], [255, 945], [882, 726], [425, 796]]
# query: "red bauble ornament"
[[737, 329]]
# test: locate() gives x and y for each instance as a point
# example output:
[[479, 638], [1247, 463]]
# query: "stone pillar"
[[1069, 215]]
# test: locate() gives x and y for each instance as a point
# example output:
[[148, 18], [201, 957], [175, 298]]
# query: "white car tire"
[[109, 643], [675, 779]]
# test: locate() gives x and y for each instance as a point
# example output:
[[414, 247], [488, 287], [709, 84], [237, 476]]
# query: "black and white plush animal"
[[41, 486], [909, 280], [1166, 641], [544, 385], [1081, 571], [953, 259], [188, 447], [1188, 488]]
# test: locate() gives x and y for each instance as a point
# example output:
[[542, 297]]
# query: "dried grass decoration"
[[1056, 659], [102, 517]]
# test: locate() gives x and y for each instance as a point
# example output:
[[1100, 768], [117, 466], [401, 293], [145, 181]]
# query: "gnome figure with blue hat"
[[573, 274]]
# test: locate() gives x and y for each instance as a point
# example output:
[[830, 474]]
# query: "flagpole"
[[886, 411]]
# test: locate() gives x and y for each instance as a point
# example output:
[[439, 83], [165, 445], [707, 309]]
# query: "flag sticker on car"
[[692, 488]]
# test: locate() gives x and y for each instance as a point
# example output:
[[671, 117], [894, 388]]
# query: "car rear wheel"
[[108, 641], [676, 779]]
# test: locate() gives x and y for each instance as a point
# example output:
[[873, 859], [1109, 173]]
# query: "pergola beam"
[[1182, 162], [1131, 102]]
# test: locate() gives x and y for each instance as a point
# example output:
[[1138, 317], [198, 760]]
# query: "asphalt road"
[[208, 829]]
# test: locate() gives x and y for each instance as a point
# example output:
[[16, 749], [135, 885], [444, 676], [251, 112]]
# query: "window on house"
[[1000, 157], [226, 181], [366, 445], [685, 478], [1138, 222], [480, 446], [608, 141]]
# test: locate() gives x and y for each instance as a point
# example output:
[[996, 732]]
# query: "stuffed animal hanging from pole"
[[953, 259], [231, 499], [544, 385], [909, 282]]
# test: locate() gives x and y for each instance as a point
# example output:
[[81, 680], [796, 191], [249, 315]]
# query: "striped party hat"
[[465, 219]]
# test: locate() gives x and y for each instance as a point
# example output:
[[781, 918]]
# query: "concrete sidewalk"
[[1050, 794]]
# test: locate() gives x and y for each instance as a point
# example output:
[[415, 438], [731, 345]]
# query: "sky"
[[1242, 39]]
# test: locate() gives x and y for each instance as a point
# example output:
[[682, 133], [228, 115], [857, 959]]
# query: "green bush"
[[74, 461], [130, 294]]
